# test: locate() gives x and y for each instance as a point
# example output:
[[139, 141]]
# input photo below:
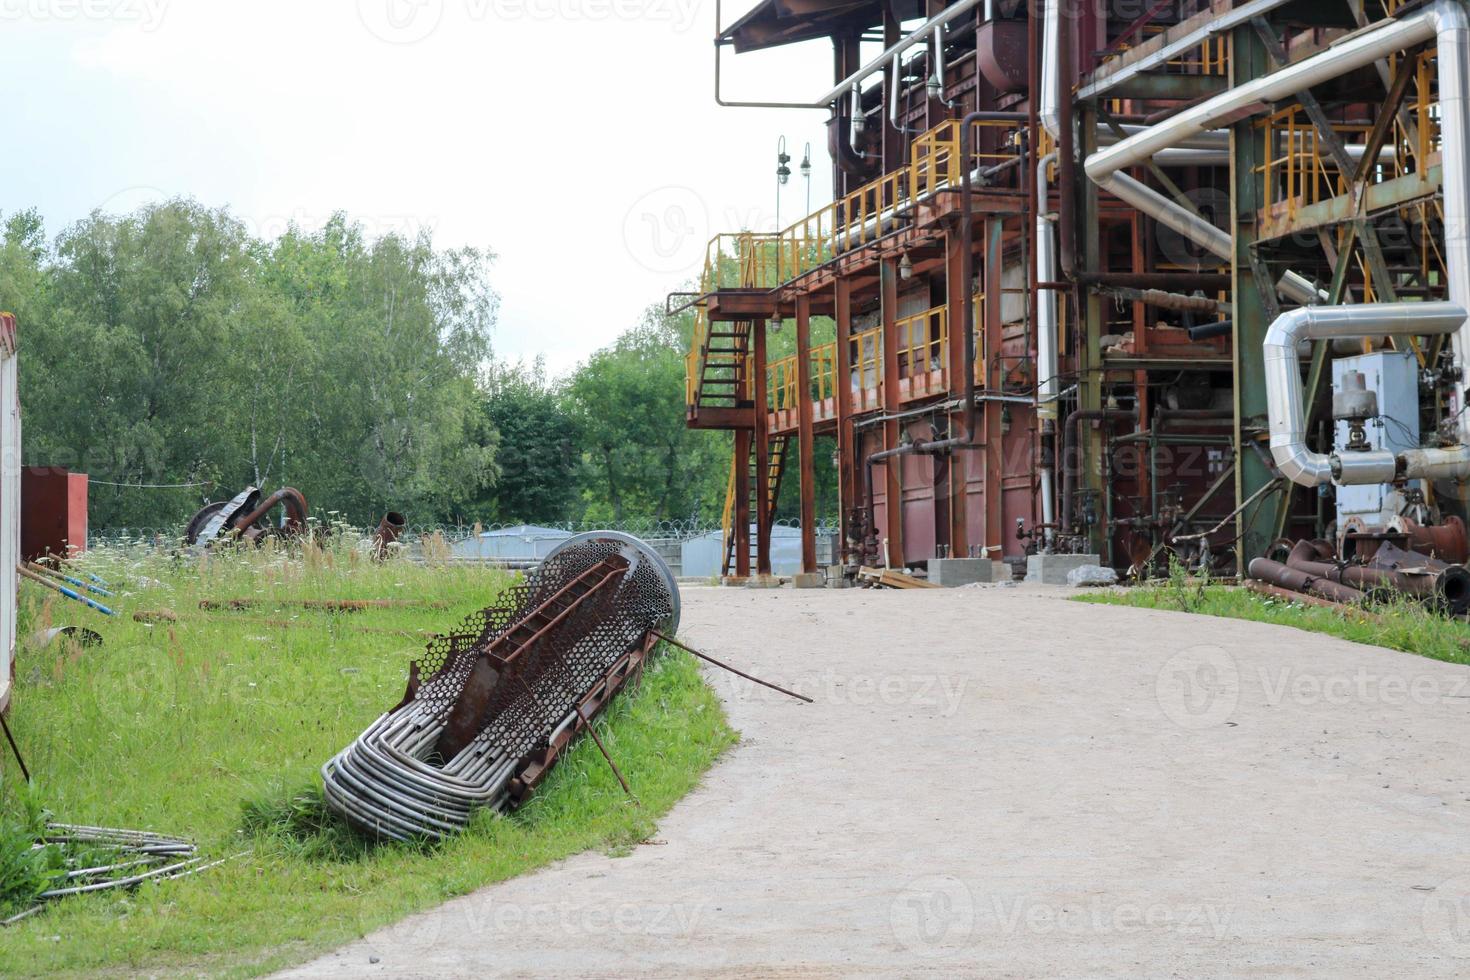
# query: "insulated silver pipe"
[[1444, 19], [897, 48], [1047, 108], [1218, 24], [1285, 404], [1046, 304], [1356, 51]]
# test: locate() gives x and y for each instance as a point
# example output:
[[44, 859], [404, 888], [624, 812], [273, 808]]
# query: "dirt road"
[[1034, 788]]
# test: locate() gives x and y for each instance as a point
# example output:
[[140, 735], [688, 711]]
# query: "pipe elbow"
[[1448, 15], [1299, 464]]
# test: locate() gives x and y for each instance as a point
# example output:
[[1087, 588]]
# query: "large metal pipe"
[[893, 51], [1046, 300], [1443, 19], [1299, 581], [1432, 580], [1285, 406], [1220, 22]]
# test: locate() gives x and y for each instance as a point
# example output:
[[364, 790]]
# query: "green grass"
[[214, 727], [1403, 625]]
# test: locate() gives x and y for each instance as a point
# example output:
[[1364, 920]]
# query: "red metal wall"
[[53, 511]]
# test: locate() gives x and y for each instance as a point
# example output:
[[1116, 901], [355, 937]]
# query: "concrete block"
[[809, 580], [950, 572], [1001, 571], [764, 582], [1053, 569], [835, 577]]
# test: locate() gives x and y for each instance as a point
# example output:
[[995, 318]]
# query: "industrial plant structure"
[[1143, 280]]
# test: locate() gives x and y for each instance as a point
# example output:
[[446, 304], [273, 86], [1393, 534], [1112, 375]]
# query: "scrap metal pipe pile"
[[490, 705]]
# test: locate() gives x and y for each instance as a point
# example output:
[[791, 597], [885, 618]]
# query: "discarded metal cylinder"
[[1299, 581], [389, 528], [491, 705], [1445, 541], [79, 635], [244, 516]]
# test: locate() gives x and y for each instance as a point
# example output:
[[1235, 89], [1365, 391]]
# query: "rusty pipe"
[[1071, 436], [1393, 571], [1275, 573], [290, 498], [1445, 541]]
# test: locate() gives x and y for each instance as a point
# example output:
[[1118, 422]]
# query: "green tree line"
[[170, 346]]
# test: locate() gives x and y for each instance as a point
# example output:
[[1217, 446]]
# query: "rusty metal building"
[[1038, 315]]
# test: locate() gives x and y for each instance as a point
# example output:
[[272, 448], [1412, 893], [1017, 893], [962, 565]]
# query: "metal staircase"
[[776, 468]]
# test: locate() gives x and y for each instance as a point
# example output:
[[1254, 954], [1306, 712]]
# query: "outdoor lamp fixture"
[[934, 88], [806, 175], [783, 172], [776, 322], [905, 267]]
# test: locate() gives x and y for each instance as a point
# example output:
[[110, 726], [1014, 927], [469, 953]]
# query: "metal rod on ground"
[[70, 594], [592, 730], [739, 673], [53, 573], [15, 748]]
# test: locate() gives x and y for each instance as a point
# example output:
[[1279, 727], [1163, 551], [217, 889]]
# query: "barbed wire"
[[169, 535]]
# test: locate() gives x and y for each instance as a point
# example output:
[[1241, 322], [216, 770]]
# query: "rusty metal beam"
[[1351, 207], [959, 464], [762, 446], [847, 501], [892, 468], [804, 434], [991, 347]]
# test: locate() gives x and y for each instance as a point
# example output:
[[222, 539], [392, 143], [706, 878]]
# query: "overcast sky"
[[577, 139]]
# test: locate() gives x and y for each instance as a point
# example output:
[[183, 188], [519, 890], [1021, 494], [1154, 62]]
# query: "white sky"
[[578, 139]]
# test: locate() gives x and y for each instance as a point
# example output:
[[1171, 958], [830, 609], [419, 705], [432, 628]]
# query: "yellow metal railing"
[[1210, 57], [764, 260], [923, 343], [824, 372], [1298, 170], [783, 382], [866, 382]]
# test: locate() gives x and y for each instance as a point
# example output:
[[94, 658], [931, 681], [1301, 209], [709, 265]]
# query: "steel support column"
[[804, 434], [1088, 448], [847, 497], [892, 468], [959, 461], [762, 450], [988, 377], [1249, 313], [741, 517]]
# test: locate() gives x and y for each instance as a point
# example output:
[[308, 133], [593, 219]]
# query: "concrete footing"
[[809, 580], [1053, 569], [950, 572], [774, 582]]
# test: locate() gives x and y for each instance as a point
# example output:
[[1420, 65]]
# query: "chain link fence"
[[519, 545]]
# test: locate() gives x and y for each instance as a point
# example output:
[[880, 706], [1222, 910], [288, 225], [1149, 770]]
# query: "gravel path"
[[1019, 787]]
